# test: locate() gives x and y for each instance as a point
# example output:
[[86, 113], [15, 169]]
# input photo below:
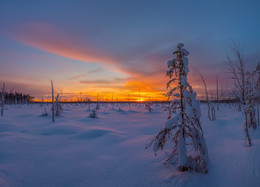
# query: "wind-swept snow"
[[109, 151]]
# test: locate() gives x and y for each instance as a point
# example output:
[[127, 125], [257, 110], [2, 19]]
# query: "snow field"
[[109, 151]]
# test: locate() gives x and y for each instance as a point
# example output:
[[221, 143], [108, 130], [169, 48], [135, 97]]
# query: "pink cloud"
[[50, 39]]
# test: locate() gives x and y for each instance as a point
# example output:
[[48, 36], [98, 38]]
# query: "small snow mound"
[[24, 116], [91, 134], [121, 111], [96, 133], [57, 130], [104, 113], [67, 109], [133, 111], [151, 113]]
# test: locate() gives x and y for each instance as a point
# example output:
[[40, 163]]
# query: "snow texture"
[[109, 151]]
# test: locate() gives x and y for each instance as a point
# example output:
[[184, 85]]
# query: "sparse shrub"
[[3, 93], [93, 114], [58, 106], [52, 98], [148, 107], [97, 106], [45, 113]]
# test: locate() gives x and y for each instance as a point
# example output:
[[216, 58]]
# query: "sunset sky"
[[120, 47]]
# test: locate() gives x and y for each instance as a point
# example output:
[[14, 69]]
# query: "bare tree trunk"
[[2, 99], [52, 97], [246, 130], [182, 166], [97, 105], [217, 93], [211, 110], [2, 108], [257, 111], [258, 99]]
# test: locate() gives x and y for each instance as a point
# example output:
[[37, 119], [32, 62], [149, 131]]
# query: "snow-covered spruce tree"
[[93, 114], [189, 150]]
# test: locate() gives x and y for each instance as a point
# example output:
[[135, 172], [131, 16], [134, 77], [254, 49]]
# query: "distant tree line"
[[17, 98]]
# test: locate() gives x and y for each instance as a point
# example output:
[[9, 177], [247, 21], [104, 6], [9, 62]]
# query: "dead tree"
[[3, 93], [211, 106], [257, 87], [243, 91], [52, 98], [217, 93]]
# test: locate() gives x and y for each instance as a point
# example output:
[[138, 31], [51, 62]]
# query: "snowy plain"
[[109, 151]]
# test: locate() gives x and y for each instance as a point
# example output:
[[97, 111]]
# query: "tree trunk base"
[[183, 168]]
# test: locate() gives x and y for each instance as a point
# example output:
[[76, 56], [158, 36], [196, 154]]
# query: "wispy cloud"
[[85, 74], [48, 38], [103, 81]]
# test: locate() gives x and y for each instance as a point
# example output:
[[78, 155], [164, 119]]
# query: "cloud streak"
[[85, 74], [103, 81], [50, 39]]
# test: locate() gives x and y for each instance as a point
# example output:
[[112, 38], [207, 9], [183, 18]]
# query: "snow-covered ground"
[[109, 151]]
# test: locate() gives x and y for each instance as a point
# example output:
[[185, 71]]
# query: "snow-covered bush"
[[97, 106], [189, 151], [58, 106], [93, 114], [45, 113], [148, 106]]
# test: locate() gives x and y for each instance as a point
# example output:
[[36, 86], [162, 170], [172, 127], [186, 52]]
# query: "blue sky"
[[120, 46]]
